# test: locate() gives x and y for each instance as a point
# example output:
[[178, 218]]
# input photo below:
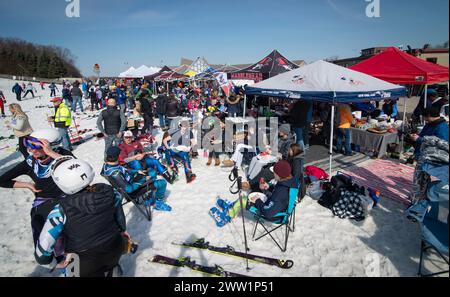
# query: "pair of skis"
[[227, 251]]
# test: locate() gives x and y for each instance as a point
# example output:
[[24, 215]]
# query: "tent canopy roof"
[[396, 66], [272, 65], [327, 82]]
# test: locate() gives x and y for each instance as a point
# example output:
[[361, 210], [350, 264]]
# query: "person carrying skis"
[[29, 89], [2, 103], [62, 121], [53, 89], [18, 90], [89, 219], [43, 147], [132, 180], [132, 153]]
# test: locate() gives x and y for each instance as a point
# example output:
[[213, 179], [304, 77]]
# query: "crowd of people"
[[70, 215]]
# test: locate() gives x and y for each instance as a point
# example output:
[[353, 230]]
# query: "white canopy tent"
[[140, 72], [326, 82]]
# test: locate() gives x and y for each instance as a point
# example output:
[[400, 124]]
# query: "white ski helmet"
[[72, 175], [51, 135]]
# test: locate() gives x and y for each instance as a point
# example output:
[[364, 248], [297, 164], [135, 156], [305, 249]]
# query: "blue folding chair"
[[434, 227], [284, 219]]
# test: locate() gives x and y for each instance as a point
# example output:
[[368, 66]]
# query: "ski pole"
[[239, 182]]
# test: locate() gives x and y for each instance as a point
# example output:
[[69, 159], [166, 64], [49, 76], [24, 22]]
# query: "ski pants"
[[170, 155], [26, 93], [39, 214], [53, 93]]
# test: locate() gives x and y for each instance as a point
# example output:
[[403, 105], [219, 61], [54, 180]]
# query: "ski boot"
[[225, 205], [221, 218], [190, 177], [160, 205], [169, 178]]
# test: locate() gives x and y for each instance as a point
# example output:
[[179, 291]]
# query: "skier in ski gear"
[[52, 88], [29, 89], [89, 219], [181, 137], [132, 180], [43, 147], [132, 153], [17, 89], [112, 123]]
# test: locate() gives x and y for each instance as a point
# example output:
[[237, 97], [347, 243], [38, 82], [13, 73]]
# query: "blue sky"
[[118, 34]]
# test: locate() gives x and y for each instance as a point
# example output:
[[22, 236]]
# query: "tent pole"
[[245, 105], [403, 127], [331, 137], [425, 101]]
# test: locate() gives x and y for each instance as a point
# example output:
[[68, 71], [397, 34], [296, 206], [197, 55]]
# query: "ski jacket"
[[76, 92], [85, 220], [121, 97], [299, 114], [52, 86], [63, 117], [390, 109], [17, 89], [161, 104], [277, 199], [146, 107], [38, 172], [172, 108], [437, 128], [127, 179]]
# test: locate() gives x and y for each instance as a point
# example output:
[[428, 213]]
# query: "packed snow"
[[385, 244]]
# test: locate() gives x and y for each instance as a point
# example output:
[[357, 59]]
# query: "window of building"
[[432, 60]]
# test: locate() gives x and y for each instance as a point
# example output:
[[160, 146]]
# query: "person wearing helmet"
[[89, 219], [132, 153], [43, 148], [132, 180]]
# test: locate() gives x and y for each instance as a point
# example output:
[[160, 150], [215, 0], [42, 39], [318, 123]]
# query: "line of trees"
[[19, 57]]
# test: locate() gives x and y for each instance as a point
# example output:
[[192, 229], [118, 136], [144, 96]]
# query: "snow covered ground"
[[385, 244]]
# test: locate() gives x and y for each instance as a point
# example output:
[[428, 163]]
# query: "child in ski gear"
[[43, 148], [17, 89], [29, 89], [20, 125], [89, 219], [53, 89], [133, 154], [132, 180]]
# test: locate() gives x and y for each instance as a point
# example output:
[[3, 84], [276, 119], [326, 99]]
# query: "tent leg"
[[245, 106], [425, 102], [331, 137], [402, 143]]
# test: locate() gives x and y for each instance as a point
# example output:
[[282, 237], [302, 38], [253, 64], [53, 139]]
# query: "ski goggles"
[[32, 143]]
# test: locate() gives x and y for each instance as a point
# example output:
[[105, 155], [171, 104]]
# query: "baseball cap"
[[56, 99], [128, 134]]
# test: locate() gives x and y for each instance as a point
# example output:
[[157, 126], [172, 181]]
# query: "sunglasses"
[[32, 143]]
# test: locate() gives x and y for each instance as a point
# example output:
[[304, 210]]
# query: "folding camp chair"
[[434, 226], [286, 219], [141, 198]]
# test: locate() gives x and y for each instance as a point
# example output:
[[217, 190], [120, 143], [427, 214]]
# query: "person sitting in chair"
[[277, 198], [132, 153], [178, 143], [132, 180]]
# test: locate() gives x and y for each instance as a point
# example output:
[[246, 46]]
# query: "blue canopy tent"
[[326, 82]]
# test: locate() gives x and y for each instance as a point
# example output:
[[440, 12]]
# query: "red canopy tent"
[[395, 66]]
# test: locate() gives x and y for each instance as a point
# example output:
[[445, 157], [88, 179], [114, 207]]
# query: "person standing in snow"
[[89, 219], [62, 121], [111, 122], [20, 125], [52, 88], [18, 90], [29, 89], [42, 85], [2, 103]]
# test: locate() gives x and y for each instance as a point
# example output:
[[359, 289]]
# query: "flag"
[[226, 85]]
